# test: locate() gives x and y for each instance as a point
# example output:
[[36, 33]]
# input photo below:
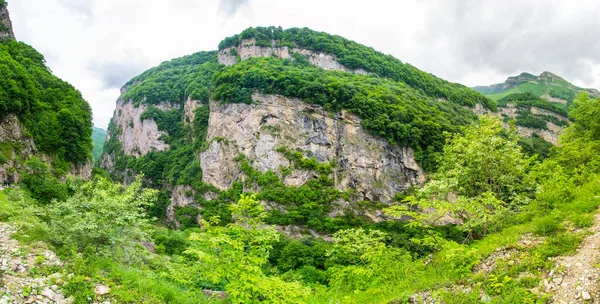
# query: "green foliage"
[[527, 100], [98, 139], [308, 204], [236, 253], [389, 109], [53, 112], [535, 145], [482, 160], [364, 261], [101, 217], [174, 81], [481, 171], [42, 185], [356, 56]]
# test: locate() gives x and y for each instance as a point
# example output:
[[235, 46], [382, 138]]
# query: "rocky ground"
[[575, 278], [22, 270]]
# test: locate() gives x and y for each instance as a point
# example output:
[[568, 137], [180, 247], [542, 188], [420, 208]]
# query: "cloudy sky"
[[97, 45]]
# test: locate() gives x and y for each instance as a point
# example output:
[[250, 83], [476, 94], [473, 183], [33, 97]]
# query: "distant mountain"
[[547, 85], [538, 105], [98, 139]]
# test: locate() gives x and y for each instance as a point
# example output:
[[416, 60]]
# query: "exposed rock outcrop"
[[181, 196], [550, 135], [6, 29], [137, 136], [554, 99], [248, 49], [367, 165], [16, 148]]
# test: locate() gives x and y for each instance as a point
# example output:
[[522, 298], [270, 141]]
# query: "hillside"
[[294, 166], [98, 140], [538, 105], [41, 116], [289, 118], [547, 86]]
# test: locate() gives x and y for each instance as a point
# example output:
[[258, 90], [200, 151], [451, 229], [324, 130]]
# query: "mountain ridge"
[[552, 87]]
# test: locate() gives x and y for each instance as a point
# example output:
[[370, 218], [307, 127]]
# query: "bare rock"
[[101, 290]]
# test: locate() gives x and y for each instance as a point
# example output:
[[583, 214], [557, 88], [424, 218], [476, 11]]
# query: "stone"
[[374, 169], [101, 290], [48, 293], [586, 295], [557, 280]]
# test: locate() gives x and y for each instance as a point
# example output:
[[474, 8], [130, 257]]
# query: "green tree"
[[235, 254], [43, 186], [362, 261], [481, 172], [102, 217]]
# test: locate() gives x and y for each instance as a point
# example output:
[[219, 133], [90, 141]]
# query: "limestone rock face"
[[17, 147], [137, 136], [6, 29], [369, 166], [248, 49], [550, 135]]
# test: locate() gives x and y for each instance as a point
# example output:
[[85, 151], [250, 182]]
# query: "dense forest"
[[52, 111]]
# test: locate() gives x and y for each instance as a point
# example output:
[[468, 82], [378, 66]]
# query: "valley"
[[296, 166]]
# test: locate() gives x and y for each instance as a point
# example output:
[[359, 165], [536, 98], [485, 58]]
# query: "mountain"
[[295, 115], [547, 86], [41, 116], [538, 105], [98, 140]]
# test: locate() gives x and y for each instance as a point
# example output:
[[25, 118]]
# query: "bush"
[[102, 217]]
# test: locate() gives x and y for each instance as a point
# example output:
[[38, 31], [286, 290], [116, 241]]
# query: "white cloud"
[[99, 45]]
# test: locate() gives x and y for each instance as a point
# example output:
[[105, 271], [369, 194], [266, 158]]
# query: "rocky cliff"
[[247, 49], [322, 136], [369, 166], [6, 29]]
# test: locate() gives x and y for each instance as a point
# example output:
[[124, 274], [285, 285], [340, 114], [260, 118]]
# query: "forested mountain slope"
[[41, 116], [539, 106], [98, 140], [296, 114]]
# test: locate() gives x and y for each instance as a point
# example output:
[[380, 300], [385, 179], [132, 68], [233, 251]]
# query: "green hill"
[[52, 111], [98, 140], [539, 106], [396, 102], [547, 85]]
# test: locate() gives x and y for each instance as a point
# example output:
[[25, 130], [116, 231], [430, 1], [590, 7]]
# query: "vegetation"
[[546, 83], [484, 194], [53, 112], [403, 116], [356, 56], [98, 139], [501, 195]]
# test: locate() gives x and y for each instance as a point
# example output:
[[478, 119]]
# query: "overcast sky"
[[97, 45]]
